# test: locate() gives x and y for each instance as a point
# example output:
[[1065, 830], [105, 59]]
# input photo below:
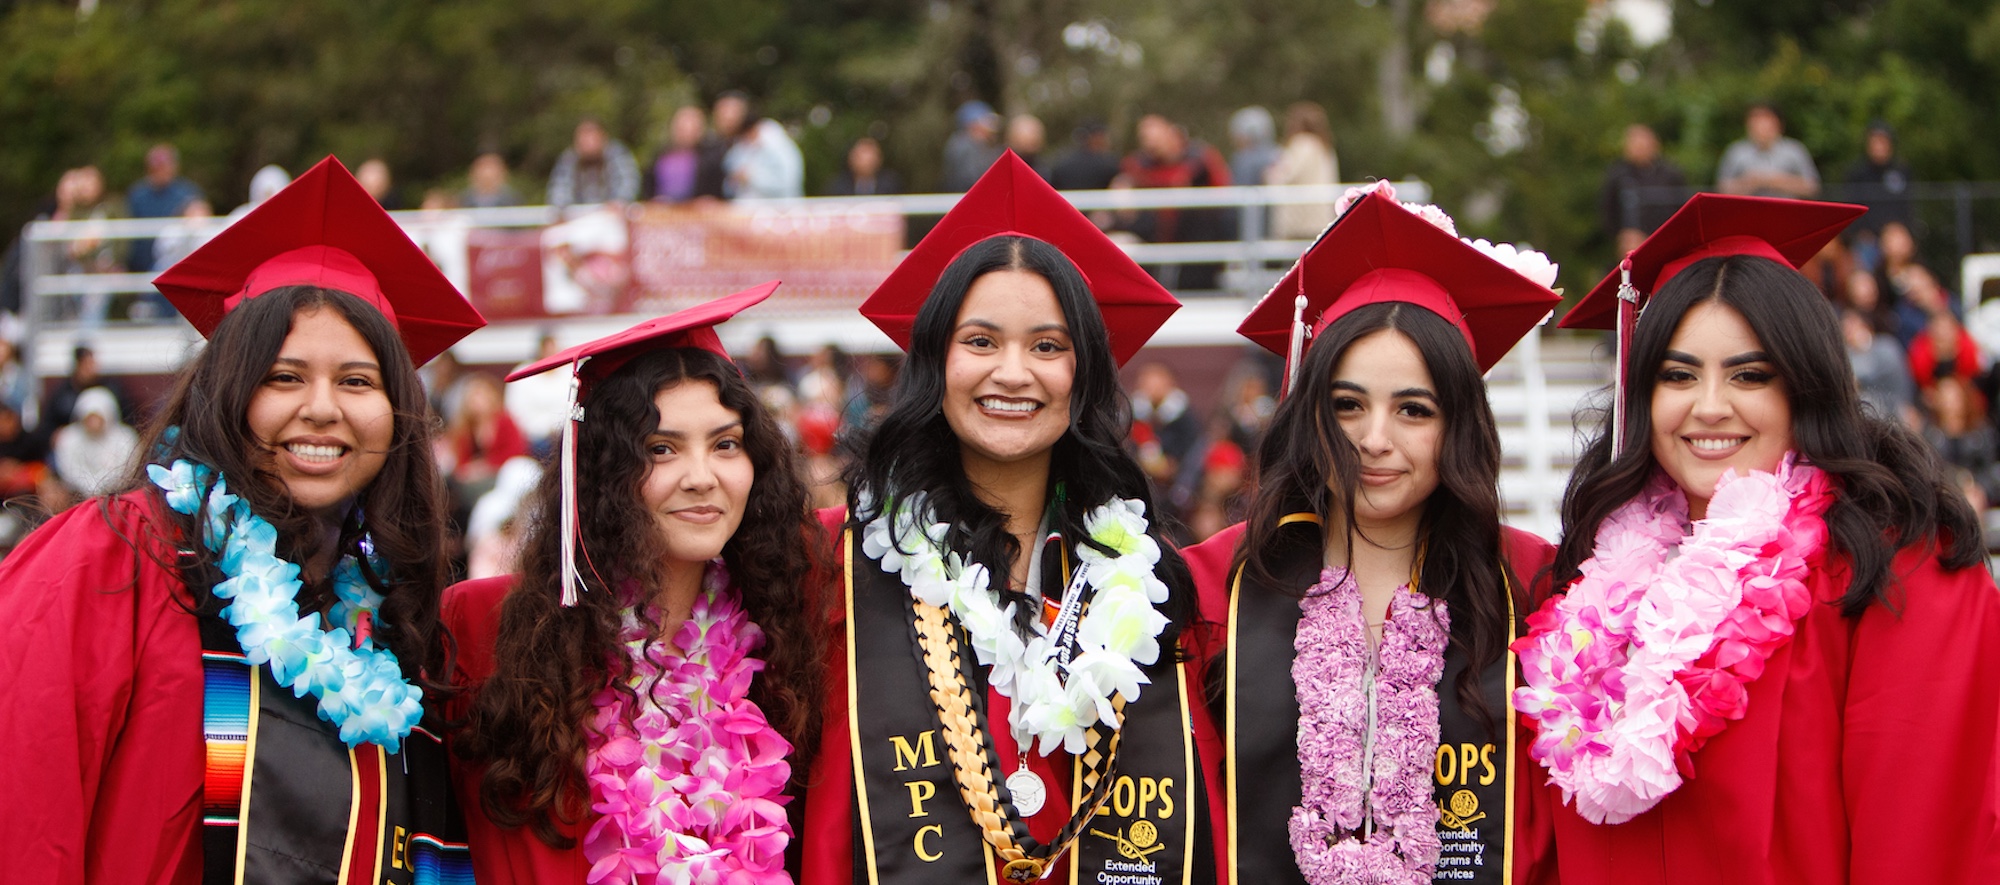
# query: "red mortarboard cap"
[[323, 230], [1380, 251], [1011, 199], [1791, 231], [692, 327]]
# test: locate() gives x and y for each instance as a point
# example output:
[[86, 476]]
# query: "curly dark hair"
[[401, 511], [1306, 454], [529, 721], [1889, 490], [915, 448]]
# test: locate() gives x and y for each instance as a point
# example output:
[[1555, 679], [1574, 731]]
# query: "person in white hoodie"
[[93, 453]]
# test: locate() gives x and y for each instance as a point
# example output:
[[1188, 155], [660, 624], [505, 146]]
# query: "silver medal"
[[1027, 791]]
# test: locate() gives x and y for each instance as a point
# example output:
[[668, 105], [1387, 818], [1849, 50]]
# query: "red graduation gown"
[[1870, 754], [1534, 836], [500, 855], [828, 833], [103, 714]]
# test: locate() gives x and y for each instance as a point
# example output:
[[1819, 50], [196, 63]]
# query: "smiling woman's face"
[[1718, 403], [1008, 371], [1388, 405], [699, 484]]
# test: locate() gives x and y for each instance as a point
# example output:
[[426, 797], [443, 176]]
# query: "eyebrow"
[[989, 324], [679, 434], [1741, 359], [1405, 393], [344, 367]]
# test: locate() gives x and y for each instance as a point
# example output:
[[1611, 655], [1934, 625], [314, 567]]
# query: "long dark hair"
[[401, 511], [914, 448], [1306, 454], [1889, 491], [529, 721]]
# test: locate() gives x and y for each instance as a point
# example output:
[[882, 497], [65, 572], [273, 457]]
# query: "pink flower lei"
[[1329, 668], [1650, 652], [687, 780]]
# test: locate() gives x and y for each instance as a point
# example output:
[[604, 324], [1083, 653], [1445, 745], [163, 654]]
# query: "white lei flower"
[[1119, 630]]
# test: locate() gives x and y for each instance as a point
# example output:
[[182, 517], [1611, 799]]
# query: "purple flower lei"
[[1328, 667], [688, 782]]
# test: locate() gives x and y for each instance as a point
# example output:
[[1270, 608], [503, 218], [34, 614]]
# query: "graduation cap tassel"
[[572, 579], [1297, 348], [1628, 321]]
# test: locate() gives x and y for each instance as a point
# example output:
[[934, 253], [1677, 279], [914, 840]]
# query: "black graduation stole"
[[1470, 778], [284, 800], [911, 823]]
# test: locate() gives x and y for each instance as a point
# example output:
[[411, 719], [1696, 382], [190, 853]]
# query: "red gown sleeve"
[[500, 855], [827, 838], [103, 715], [1534, 847], [1921, 756]]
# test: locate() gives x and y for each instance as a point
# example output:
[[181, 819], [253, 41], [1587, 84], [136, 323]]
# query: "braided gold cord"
[[953, 699]]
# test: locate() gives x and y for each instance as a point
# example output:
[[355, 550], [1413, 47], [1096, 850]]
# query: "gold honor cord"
[[972, 765]]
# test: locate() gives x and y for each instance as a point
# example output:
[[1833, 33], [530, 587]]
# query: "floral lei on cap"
[[1338, 792], [1650, 652], [360, 688], [1118, 631], [687, 775], [1526, 262]]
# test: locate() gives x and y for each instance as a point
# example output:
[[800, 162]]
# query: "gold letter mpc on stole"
[[924, 854], [907, 756], [920, 792]]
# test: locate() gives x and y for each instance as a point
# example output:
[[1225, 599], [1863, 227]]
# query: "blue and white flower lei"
[[360, 687], [1052, 704]]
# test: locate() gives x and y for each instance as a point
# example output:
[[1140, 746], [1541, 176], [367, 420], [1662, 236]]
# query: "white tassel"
[[572, 579], [1628, 320], [1298, 345]]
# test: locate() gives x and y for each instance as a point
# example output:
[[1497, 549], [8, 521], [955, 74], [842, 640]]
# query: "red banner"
[[653, 259]]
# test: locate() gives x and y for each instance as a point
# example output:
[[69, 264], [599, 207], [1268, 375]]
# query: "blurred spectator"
[[877, 373], [1159, 403], [538, 403], [1882, 181], [162, 193], [24, 457], [1027, 138], [84, 375], [764, 366], [186, 234], [1880, 369], [1090, 164], [1255, 136], [476, 441], [263, 185], [1765, 163], [80, 196], [763, 161], [596, 168], [444, 383], [675, 171], [1961, 434], [1249, 407], [1945, 350], [93, 453], [729, 115], [1630, 202], [1863, 295], [1219, 496], [1167, 157], [1308, 158], [864, 175], [376, 180], [16, 382], [972, 148], [486, 185], [828, 378], [493, 530], [818, 427]]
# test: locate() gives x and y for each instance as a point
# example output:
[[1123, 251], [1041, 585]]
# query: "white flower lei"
[[1118, 632]]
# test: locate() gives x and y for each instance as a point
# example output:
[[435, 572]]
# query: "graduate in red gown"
[[1371, 595], [1007, 696], [1771, 659], [642, 680], [225, 672]]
